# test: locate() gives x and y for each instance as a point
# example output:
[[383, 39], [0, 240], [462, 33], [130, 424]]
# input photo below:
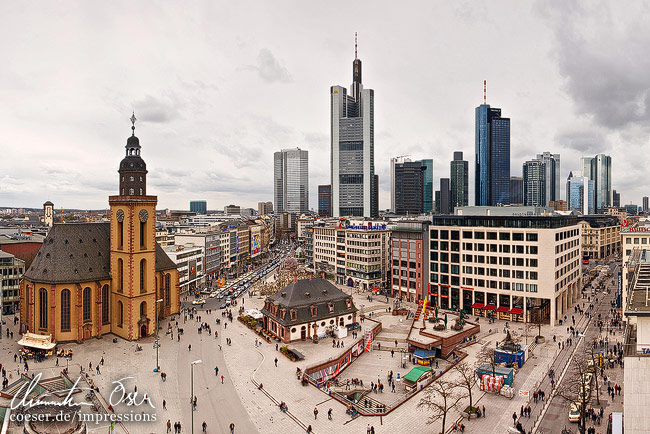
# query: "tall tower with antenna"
[[352, 165], [492, 152]]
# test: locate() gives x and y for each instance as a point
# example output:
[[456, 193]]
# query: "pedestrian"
[[189, 347], [276, 362], [216, 371], [222, 379], [483, 411], [514, 419], [372, 430], [169, 426], [232, 428], [309, 429], [164, 405], [204, 426], [315, 413], [329, 414]]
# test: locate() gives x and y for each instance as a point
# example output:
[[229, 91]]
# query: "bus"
[[585, 259]]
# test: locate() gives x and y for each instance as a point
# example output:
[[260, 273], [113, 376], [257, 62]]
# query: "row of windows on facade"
[[12, 271], [406, 284], [566, 280], [445, 234], [480, 271], [628, 240], [454, 258], [87, 306], [480, 247], [143, 276], [492, 284]]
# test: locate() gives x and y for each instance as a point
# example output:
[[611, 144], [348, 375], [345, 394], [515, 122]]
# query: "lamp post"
[[157, 342], [196, 362]]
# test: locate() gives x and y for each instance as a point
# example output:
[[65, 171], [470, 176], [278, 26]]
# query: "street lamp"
[[196, 362], [157, 341]]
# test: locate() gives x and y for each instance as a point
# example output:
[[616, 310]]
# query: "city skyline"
[[70, 106]]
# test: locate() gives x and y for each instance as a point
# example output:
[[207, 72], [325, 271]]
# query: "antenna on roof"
[[355, 45], [484, 91]]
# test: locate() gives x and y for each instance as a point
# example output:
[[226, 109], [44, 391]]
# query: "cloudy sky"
[[219, 86]]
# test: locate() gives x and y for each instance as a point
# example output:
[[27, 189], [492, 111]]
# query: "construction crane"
[[401, 156]]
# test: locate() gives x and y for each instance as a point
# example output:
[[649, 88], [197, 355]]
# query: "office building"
[[409, 253], [558, 205], [580, 193], [534, 183], [291, 181], [645, 204], [445, 197], [599, 170], [325, 200], [356, 253], [492, 148], [551, 176], [516, 190], [11, 271], [352, 148], [264, 208], [428, 185], [459, 176], [517, 268], [601, 236], [616, 199], [231, 209], [199, 206], [631, 209], [409, 187]]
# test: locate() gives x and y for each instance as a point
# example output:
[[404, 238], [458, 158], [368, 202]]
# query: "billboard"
[[256, 241]]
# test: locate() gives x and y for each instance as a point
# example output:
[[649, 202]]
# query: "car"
[[200, 301], [574, 411], [223, 306], [214, 294]]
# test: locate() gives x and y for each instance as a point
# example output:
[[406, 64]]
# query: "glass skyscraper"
[[291, 181], [580, 193], [551, 176], [534, 183], [492, 149], [516, 190], [428, 185], [599, 170], [459, 174], [352, 165]]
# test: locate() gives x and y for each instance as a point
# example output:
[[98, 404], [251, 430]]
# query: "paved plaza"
[[245, 365]]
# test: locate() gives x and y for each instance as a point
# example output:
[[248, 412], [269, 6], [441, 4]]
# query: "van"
[[574, 412]]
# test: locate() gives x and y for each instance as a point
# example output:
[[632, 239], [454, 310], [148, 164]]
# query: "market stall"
[[424, 357], [417, 377], [36, 346]]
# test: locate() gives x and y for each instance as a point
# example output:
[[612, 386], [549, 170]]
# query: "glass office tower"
[[492, 149]]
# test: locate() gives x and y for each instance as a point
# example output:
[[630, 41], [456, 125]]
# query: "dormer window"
[[294, 314], [283, 313], [348, 303], [314, 310], [330, 305]]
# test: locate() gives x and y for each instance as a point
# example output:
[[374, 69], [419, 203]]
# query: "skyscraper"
[[645, 204], [428, 185], [409, 187], [492, 147], [199, 206], [443, 197], [352, 148], [580, 193], [599, 170], [601, 174], [551, 176], [325, 200], [616, 199], [459, 174], [534, 183], [516, 190], [291, 181]]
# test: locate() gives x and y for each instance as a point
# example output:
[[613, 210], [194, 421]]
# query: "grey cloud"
[[157, 109], [270, 69], [603, 61], [583, 141]]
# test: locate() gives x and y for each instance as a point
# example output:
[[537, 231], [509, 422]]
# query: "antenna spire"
[[355, 45], [133, 119], [484, 91]]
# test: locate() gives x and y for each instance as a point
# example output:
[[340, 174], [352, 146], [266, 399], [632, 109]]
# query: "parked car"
[[200, 301]]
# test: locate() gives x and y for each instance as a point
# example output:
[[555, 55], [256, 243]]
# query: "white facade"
[[189, 262]]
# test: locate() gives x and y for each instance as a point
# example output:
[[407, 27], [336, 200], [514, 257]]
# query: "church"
[[90, 279]]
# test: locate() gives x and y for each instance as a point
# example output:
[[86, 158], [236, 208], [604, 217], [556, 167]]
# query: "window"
[[143, 267], [143, 231], [120, 235], [628, 241], [331, 307], [517, 236], [87, 312], [105, 304], [168, 298], [504, 236], [120, 275], [42, 302], [531, 237], [294, 316], [120, 314], [65, 310], [143, 309], [314, 310]]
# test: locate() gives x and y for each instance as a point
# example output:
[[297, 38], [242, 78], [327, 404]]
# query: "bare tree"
[[592, 366], [467, 379], [439, 399], [486, 356], [576, 386]]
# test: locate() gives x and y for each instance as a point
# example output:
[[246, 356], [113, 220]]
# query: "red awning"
[[477, 306], [489, 307], [503, 309], [516, 311]]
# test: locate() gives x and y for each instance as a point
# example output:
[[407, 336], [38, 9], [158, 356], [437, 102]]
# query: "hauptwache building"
[[90, 279]]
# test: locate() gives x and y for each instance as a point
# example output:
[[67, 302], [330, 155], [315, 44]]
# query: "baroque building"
[[89, 279]]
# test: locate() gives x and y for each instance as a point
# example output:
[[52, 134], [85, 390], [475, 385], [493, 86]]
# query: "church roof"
[[73, 253], [79, 252]]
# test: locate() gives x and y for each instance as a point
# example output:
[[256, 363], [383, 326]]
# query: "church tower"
[[133, 248]]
